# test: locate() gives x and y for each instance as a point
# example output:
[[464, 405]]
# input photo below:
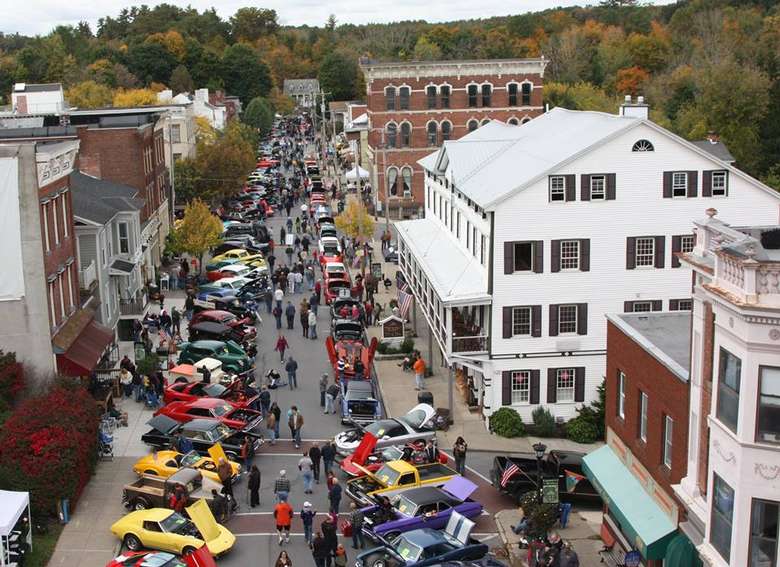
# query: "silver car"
[[396, 431]]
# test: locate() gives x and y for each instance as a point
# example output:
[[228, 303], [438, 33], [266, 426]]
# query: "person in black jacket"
[[320, 551], [254, 486], [328, 455], [330, 536], [315, 455]]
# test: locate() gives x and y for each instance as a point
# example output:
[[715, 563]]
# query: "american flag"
[[403, 286], [509, 472], [404, 303]]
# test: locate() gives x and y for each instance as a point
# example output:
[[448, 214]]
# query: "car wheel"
[[379, 563], [132, 542], [141, 503], [187, 550]]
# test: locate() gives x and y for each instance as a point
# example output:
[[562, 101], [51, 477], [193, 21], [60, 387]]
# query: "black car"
[[203, 433], [236, 229], [348, 302], [212, 331]]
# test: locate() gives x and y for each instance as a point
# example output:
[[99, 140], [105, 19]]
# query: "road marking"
[[485, 535], [271, 513], [483, 477]]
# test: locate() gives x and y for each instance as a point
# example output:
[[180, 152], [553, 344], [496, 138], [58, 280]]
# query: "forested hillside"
[[702, 64]]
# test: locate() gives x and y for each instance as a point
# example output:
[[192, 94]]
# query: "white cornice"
[[424, 69]]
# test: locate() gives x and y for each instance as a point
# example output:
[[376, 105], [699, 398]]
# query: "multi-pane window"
[[643, 416], [764, 517], [521, 321], [391, 135], [641, 306], [567, 319], [645, 252], [557, 188], [564, 384], [722, 516], [668, 433], [390, 98], [406, 134], [684, 305], [403, 98], [570, 255], [175, 133], [487, 91], [430, 93], [598, 188], [472, 91], [392, 182], [521, 387], [124, 239], [729, 374], [621, 399], [446, 131], [406, 175], [679, 184], [526, 101], [687, 243], [719, 183], [768, 429], [444, 94], [511, 90], [432, 130]]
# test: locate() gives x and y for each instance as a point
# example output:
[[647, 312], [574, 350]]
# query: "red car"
[[198, 558], [232, 416], [223, 318], [333, 287], [191, 391], [366, 459]]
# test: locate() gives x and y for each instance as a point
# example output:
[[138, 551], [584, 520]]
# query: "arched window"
[[433, 131], [403, 97], [511, 89], [526, 120], [527, 90], [406, 134], [484, 121], [513, 122], [391, 135], [487, 91], [446, 131], [406, 175], [473, 90], [444, 92], [392, 181], [643, 146], [389, 98], [472, 125], [430, 93]]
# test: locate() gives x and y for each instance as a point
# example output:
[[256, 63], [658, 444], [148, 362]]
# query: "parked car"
[[327, 229], [225, 283], [335, 288], [400, 430], [150, 491], [351, 348], [188, 392], [235, 254], [221, 316], [231, 301], [358, 404], [231, 245], [341, 308], [195, 372], [396, 475], [203, 433], [237, 270], [335, 270], [166, 530], [165, 463], [233, 358], [215, 408], [200, 558], [366, 458], [208, 331]]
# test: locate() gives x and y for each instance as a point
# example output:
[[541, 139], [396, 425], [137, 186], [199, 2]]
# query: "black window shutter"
[[667, 184], [582, 318], [674, 305], [536, 320], [552, 386], [553, 320], [538, 256], [585, 187], [660, 251], [579, 384], [706, 184], [555, 255], [611, 186], [506, 323], [676, 247], [534, 398], [628, 306], [630, 253], [506, 388], [509, 257], [657, 304], [693, 183], [585, 255], [571, 187]]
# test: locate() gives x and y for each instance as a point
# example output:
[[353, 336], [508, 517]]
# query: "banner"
[[572, 479]]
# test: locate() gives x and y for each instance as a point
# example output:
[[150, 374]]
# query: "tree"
[[224, 163], [248, 24], [126, 98], [259, 114], [282, 103], [631, 80], [244, 74], [426, 50], [338, 75], [172, 41], [151, 62], [89, 94], [198, 232], [181, 81], [356, 222]]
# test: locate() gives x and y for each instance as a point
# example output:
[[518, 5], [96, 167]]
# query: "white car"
[[397, 431], [335, 268], [233, 283]]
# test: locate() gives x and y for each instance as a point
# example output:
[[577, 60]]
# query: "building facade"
[[47, 98], [533, 233], [731, 491], [303, 91], [415, 106]]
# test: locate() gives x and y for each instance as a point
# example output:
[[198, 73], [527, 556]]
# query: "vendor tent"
[[13, 505], [352, 174]]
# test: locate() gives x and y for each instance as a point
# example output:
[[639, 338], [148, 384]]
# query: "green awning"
[[682, 553], [641, 520]]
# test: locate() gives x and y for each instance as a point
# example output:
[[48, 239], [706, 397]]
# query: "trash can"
[[425, 397]]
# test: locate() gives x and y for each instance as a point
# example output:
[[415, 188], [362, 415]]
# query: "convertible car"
[[427, 506], [232, 416], [191, 391], [166, 463], [396, 431], [166, 530], [199, 558]]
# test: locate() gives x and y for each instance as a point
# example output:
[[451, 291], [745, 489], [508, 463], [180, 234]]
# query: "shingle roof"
[[98, 200], [717, 149]]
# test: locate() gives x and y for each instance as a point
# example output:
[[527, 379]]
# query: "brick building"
[[413, 107]]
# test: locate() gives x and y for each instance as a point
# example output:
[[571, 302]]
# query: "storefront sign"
[[632, 559], [392, 328]]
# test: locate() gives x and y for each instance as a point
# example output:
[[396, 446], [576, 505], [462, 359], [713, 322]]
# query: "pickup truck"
[[151, 491], [555, 464], [395, 476]]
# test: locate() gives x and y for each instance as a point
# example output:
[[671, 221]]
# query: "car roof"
[[426, 495], [154, 514], [359, 386], [424, 537], [206, 403], [207, 344], [201, 425]]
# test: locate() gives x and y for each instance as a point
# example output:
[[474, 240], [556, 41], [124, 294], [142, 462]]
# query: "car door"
[[154, 537]]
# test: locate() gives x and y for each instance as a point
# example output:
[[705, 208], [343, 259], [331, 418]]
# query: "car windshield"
[[174, 523], [388, 475], [379, 428], [219, 432], [404, 505], [214, 390], [415, 418], [406, 549], [330, 250], [222, 409], [190, 459]]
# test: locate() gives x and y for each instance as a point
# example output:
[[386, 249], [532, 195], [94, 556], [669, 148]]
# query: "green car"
[[232, 356], [214, 266]]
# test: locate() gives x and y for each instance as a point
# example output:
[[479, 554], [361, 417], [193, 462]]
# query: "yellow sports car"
[[236, 254], [166, 530], [165, 463]]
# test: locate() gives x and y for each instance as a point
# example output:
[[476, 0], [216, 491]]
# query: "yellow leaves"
[[89, 94], [204, 131], [172, 41], [356, 222], [125, 98], [198, 231]]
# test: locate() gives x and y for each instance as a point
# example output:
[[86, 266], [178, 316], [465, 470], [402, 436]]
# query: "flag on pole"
[[509, 472], [404, 303], [403, 286], [572, 479]]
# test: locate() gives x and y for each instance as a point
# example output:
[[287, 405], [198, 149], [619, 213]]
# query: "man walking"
[[323, 389], [312, 325], [176, 321], [356, 519], [305, 465], [307, 518], [295, 423], [292, 372], [328, 455], [330, 398], [254, 486], [334, 496], [279, 296], [277, 312], [289, 312], [283, 513], [315, 456], [281, 346], [419, 373], [282, 486]]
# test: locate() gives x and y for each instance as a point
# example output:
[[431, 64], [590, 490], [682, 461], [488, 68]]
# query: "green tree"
[[225, 162], [426, 50], [198, 232], [338, 75], [89, 94], [181, 81], [188, 179], [151, 62], [248, 24], [259, 114], [243, 73]]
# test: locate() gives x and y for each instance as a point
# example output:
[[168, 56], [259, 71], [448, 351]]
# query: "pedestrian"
[[283, 560], [315, 455], [314, 303], [126, 380], [218, 506], [305, 323], [295, 423], [356, 519], [459, 453], [277, 312], [419, 373], [331, 394], [292, 372], [307, 518], [246, 452], [319, 551], [318, 291], [359, 369], [283, 513], [225, 472], [176, 320], [254, 486], [340, 557], [282, 486], [431, 452], [279, 296], [265, 399], [277, 411], [270, 424], [369, 309], [291, 283], [312, 320], [323, 388], [568, 557], [330, 536], [305, 465], [334, 496], [281, 346], [328, 452], [289, 312]]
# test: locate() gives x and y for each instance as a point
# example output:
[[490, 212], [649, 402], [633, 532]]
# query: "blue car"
[[426, 547], [358, 404]]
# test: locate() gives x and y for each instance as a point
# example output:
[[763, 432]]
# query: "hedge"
[[506, 422]]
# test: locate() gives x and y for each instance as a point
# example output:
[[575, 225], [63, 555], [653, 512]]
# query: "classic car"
[[426, 547], [166, 463], [335, 269], [237, 270], [210, 331], [351, 349], [358, 404], [555, 464], [365, 458], [336, 287], [426, 506], [242, 228], [203, 433], [225, 283], [228, 245], [396, 431], [231, 301], [235, 393], [327, 229], [395, 475], [220, 316], [199, 558], [151, 491], [233, 358], [342, 308], [166, 530], [194, 372], [330, 250], [236, 254], [215, 408]]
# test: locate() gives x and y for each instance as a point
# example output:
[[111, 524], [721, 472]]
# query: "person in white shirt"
[[279, 297]]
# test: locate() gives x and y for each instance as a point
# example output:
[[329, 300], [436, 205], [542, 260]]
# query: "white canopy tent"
[[13, 505], [353, 173]]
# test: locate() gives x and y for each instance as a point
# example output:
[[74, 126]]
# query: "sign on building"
[[392, 327]]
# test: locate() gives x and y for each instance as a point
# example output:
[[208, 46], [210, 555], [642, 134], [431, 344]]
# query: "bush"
[[407, 346], [582, 429], [11, 377], [506, 422], [541, 517], [544, 422]]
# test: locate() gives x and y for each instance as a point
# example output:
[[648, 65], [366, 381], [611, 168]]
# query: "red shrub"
[[11, 377]]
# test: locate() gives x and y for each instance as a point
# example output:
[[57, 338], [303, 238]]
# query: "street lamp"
[[539, 449]]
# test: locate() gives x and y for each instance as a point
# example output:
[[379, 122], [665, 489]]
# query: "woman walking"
[[459, 452], [281, 346]]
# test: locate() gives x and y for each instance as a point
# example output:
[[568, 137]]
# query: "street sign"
[[632, 559], [550, 490]]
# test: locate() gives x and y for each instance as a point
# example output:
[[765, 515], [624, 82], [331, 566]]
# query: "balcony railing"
[[476, 343], [88, 276], [131, 306]]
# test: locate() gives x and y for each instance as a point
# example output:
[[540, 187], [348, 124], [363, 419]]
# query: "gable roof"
[[718, 149], [98, 200]]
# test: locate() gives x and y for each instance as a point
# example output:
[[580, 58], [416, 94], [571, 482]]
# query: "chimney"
[[638, 109], [712, 137]]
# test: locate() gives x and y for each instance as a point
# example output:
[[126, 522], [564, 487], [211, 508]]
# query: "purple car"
[[423, 507]]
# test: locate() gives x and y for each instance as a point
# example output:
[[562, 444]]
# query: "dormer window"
[[643, 146]]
